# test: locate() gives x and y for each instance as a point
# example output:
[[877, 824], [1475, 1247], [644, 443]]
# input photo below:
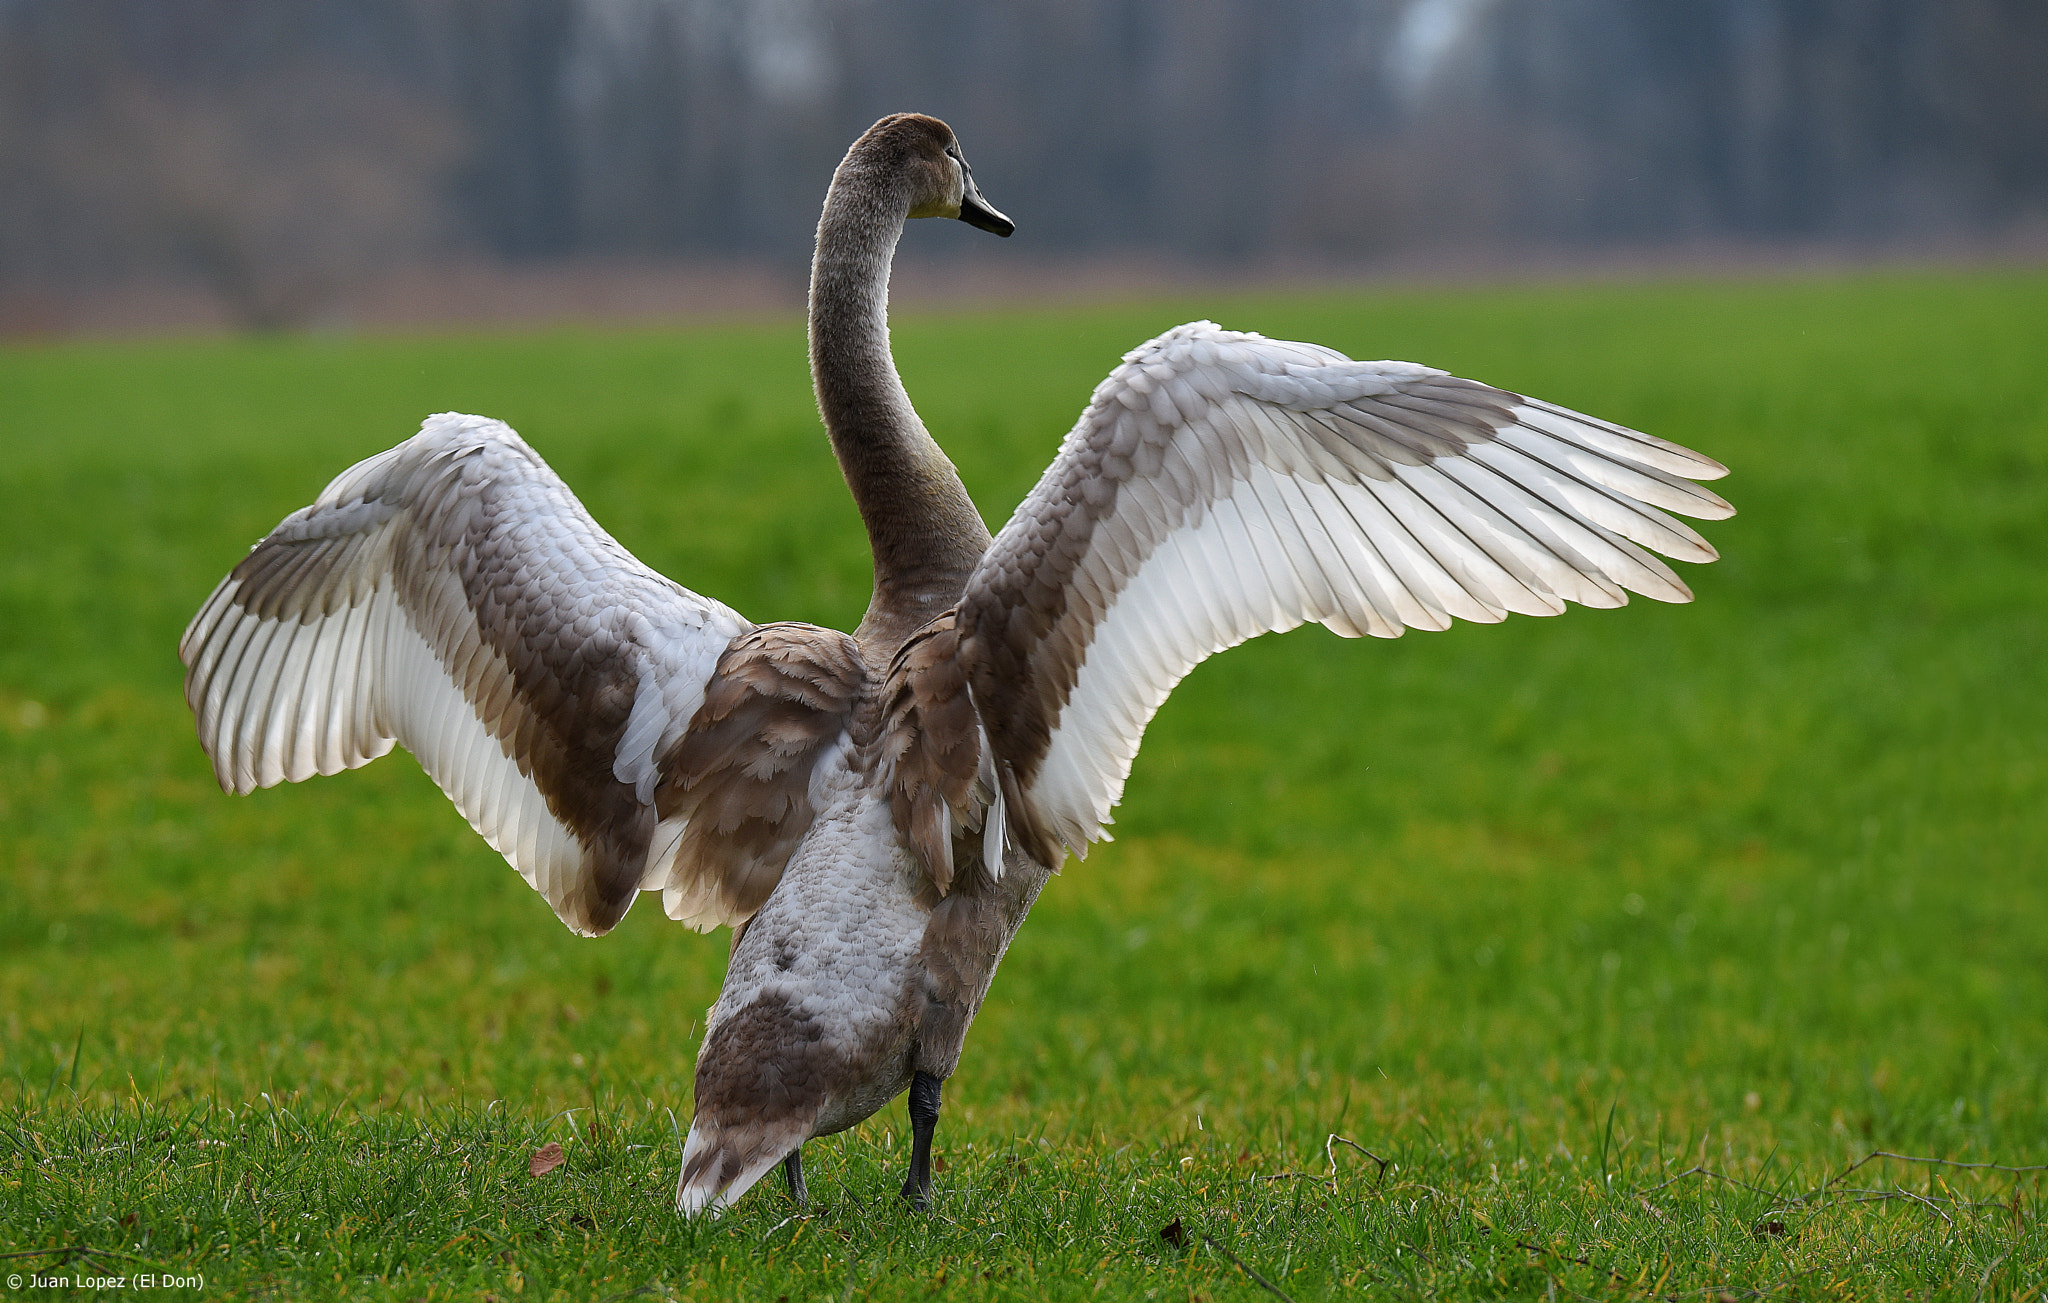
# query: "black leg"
[[924, 1119], [793, 1172]]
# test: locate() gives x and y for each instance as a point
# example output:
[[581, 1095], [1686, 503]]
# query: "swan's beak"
[[976, 212]]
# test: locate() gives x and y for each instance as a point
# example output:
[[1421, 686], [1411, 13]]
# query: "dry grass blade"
[[1245, 1267], [1831, 1192], [1876, 1154], [1984, 1281], [1921, 1199], [1706, 1171], [1330, 1151], [1583, 1262], [798, 1218], [71, 1251]]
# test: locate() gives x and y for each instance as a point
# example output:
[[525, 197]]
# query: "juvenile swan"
[[873, 815]]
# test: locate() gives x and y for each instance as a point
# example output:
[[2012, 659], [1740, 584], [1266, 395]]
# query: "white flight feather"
[[1276, 495], [351, 669]]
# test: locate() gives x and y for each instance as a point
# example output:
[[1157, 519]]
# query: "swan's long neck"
[[924, 530]]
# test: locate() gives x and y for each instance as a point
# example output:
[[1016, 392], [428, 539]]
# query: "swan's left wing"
[[1221, 485], [606, 729]]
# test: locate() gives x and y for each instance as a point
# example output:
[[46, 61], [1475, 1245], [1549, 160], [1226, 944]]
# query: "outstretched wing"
[[452, 595], [1221, 485]]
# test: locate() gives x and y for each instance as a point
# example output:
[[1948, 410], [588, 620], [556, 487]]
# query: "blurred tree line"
[[276, 148]]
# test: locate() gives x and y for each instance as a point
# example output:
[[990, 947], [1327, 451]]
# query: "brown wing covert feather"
[[741, 775], [932, 744]]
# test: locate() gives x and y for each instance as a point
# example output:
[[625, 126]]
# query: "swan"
[[873, 814]]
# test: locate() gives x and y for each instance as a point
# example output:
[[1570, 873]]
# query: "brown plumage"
[[738, 782], [875, 813], [931, 744]]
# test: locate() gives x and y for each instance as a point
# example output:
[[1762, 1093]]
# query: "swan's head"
[[925, 155]]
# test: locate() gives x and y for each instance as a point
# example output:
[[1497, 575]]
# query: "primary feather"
[[1221, 485]]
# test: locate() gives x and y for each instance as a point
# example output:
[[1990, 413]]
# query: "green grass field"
[[1549, 915]]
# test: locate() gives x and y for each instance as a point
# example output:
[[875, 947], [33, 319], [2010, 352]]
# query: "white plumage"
[[875, 813], [381, 617], [1260, 484]]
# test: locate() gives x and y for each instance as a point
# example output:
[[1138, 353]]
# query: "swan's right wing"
[[1221, 485], [452, 595]]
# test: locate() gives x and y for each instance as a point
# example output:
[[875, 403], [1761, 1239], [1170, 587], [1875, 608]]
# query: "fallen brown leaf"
[[545, 1159]]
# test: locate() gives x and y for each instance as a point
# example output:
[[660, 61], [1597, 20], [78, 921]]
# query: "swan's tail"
[[721, 1163]]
